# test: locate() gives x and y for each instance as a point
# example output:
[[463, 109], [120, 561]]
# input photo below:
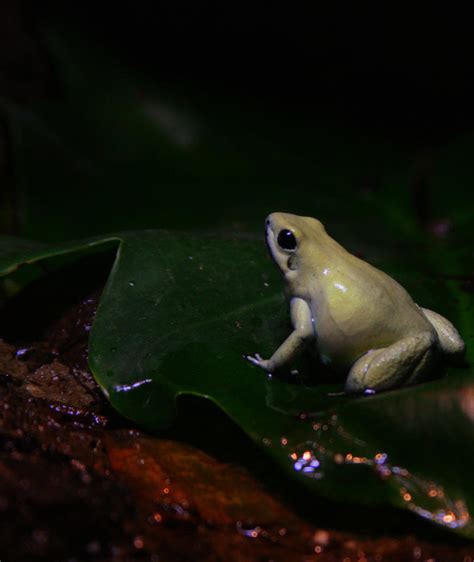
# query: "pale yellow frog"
[[360, 319]]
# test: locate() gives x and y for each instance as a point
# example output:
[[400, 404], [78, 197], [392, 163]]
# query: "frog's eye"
[[286, 239]]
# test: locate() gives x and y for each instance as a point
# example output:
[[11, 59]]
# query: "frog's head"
[[294, 242]]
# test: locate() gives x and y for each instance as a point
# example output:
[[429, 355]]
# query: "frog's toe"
[[257, 360], [450, 342]]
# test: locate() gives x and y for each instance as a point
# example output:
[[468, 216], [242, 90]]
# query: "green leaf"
[[178, 313]]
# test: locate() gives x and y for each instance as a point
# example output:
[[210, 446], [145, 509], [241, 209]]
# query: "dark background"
[[399, 72], [286, 76]]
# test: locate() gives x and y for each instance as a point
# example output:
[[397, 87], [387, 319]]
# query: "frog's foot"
[[405, 362], [257, 360], [450, 341]]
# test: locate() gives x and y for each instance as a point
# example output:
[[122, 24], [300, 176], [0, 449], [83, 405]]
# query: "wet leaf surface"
[[76, 480], [177, 315]]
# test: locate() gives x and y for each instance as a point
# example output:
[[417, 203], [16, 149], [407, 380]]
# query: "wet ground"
[[78, 482]]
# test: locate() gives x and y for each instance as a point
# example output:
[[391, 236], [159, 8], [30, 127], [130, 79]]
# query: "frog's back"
[[358, 308]]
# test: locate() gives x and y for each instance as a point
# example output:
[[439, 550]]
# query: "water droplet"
[[131, 284], [138, 542], [321, 537], [380, 458], [251, 532], [131, 386], [305, 461], [21, 352]]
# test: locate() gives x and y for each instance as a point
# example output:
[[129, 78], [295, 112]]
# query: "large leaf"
[[178, 313]]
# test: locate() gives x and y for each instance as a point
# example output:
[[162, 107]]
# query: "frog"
[[360, 321]]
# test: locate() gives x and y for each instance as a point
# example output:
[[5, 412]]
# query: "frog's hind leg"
[[450, 341], [405, 362]]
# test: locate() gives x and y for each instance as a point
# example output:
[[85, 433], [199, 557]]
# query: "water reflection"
[[305, 461], [424, 497], [131, 386]]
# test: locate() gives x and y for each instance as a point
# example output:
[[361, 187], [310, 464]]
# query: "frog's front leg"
[[303, 331], [404, 362]]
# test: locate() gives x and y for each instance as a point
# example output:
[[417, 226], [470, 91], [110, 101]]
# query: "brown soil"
[[77, 482]]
